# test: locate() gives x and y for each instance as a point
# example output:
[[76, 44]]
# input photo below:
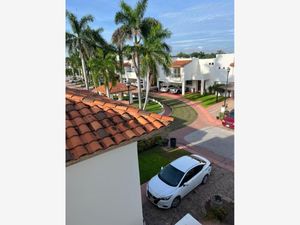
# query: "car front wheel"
[[205, 178], [176, 202]]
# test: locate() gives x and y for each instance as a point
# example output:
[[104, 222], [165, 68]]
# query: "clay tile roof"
[[129, 134], [107, 142], [95, 123], [119, 138], [180, 63], [93, 147], [118, 88], [142, 120], [78, 152], [157, 124], [139, 131], [83, 128], [71, 132], [149, 127]]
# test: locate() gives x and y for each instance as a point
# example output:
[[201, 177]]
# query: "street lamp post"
[[128, 86], [228, 70]]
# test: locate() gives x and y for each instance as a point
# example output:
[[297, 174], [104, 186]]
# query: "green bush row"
[[146, 144]]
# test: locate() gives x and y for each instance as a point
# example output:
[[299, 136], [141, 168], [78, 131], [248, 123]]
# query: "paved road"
[[218, 140]]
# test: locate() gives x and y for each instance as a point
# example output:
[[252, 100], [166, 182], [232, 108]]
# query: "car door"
[[188, 183]]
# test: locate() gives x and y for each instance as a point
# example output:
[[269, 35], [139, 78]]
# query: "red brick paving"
[[204, 119]]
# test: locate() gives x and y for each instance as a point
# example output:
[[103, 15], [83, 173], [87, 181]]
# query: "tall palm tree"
[[103, 66], [135, 28], [118, 39], [80, 39], [75, 63], [155, 52]]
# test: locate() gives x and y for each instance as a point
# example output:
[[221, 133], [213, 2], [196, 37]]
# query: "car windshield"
[[170, 175]]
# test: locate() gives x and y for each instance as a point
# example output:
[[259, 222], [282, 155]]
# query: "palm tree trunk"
[[107, 91], [137, 66], [84, 71], [147, 89]]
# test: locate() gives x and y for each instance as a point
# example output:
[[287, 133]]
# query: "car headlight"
[[166, 198]]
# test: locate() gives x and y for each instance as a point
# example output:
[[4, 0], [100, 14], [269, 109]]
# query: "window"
[[191, 174], [212, 63], [170, 175], [188, 82]]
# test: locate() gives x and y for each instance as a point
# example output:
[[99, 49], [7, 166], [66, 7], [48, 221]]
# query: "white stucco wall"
[[105, 189]]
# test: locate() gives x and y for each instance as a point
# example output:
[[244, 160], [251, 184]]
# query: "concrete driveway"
[[220, 182], [219, 141]]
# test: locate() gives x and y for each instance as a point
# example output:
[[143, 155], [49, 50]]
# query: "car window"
[[170, 175], [189, 175]]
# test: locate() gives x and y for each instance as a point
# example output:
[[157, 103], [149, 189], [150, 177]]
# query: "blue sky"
[[196, 25]]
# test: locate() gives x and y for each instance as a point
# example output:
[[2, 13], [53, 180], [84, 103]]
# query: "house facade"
[[102, 174], [196, 75], [191, 74]]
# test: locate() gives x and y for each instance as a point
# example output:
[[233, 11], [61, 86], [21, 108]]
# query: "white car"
[[177, 179], [164, 89]]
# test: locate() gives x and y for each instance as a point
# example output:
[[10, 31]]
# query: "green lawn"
[[183, 114], [204, 100], [152, 160], [151, 107]]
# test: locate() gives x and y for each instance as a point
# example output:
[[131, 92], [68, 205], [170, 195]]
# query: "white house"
[[198, 74], [102, 175]]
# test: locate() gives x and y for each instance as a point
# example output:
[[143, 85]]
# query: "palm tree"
[[80, 41], [118, 39], [75, 64], [155, 52], [103, 66], [135, 28]]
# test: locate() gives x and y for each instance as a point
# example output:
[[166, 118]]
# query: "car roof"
[[184, 163]]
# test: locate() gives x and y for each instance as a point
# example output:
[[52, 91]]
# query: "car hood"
[[159, 188]]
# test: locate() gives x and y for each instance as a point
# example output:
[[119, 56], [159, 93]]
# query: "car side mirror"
[[161, 168]]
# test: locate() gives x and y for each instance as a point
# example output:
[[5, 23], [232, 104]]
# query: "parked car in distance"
[[177, 179], [164, 89], [175, 90], [228, 120]]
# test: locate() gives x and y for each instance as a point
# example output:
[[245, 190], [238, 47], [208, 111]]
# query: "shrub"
[[149, 143]]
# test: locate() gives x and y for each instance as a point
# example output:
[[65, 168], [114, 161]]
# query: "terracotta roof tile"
[[132, 124], [120, 107], [117, 119], [167, 118], [83, 129], [106, 123], [142, 120], [118, 88], [93, 147], [107, 142], [74, 142], [157, 124], [95, 123], [78, 152], [74, 114], [129, 134], [156, 116], [68, 123], [101, 133], [78, 121], [96, 109], [88, 137], [89, 118], [122, 127], [126, 116], [149, 127], [119, 138], [85, 111], [180, 63], [139, 131], [111, 130], [79, 106], [71, 132]]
